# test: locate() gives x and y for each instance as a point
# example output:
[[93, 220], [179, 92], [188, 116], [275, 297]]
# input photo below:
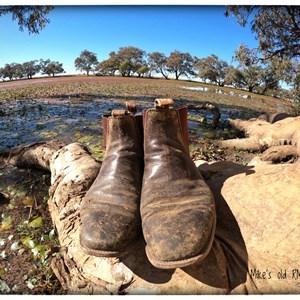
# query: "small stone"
[[15, 246], [30, 285], [3, 254], [4, 288]]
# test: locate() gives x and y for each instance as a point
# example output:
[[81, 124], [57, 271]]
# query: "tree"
[[30, 17], [245, 56], [125, 68], [277, 28], [142, 70], [31, 68], [12, 71], [232, 76], [130, 60], [270, 80], [18, 71], [2, 74], [180, 63], [87, 61], [157, 63], [8, 71], [262, 80], [250, 75], [51, 67], [55, 68], [291, 74], [239, 79], [108, 66], [287, 70], [212, 68]]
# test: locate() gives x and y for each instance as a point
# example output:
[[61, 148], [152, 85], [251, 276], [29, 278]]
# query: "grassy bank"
[[139, 89]]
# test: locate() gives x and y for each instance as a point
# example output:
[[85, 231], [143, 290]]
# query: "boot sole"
[[102, 253], [160, 264]]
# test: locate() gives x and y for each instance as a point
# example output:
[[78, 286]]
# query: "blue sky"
[[198, 29]]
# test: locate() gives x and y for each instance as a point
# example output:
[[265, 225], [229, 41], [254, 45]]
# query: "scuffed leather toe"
[[170, 242]]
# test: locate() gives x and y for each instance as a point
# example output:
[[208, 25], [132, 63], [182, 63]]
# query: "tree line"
[[251, 74], [261, 70], [31, 68]]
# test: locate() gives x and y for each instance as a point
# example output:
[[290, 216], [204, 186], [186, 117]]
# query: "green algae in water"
[[48, 134], [94, 144], [86, 139], [97, 153]]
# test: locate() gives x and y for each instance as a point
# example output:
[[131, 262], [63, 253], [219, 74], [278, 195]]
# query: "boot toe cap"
[[181, 236], [106, 233]]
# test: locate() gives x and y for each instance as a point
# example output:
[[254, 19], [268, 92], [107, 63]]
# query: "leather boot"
[[132, 109], [110, 211], [177, 207]]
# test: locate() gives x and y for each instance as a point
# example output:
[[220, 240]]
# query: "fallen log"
[[263, 200], [257, 220], [213, 108], [262, 135], [272, 118]]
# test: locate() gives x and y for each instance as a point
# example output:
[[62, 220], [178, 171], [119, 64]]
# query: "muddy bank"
[[27, 121]]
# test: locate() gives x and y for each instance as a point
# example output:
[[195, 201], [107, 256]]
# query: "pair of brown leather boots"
[[148, 181]]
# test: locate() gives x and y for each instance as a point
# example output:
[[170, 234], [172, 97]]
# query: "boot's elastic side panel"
[[183, 114], [110, 210], [138, 120], [177, 207]]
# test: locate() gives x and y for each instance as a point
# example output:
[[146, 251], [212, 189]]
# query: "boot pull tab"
[[119, 113], [163, 103], [131, 107]]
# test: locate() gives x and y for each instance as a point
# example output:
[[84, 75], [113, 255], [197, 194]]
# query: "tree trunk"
[[163, 74], [72, 172], [242, 242]]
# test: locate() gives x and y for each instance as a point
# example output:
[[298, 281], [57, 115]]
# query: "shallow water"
[[217, 91], [27, 121]]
